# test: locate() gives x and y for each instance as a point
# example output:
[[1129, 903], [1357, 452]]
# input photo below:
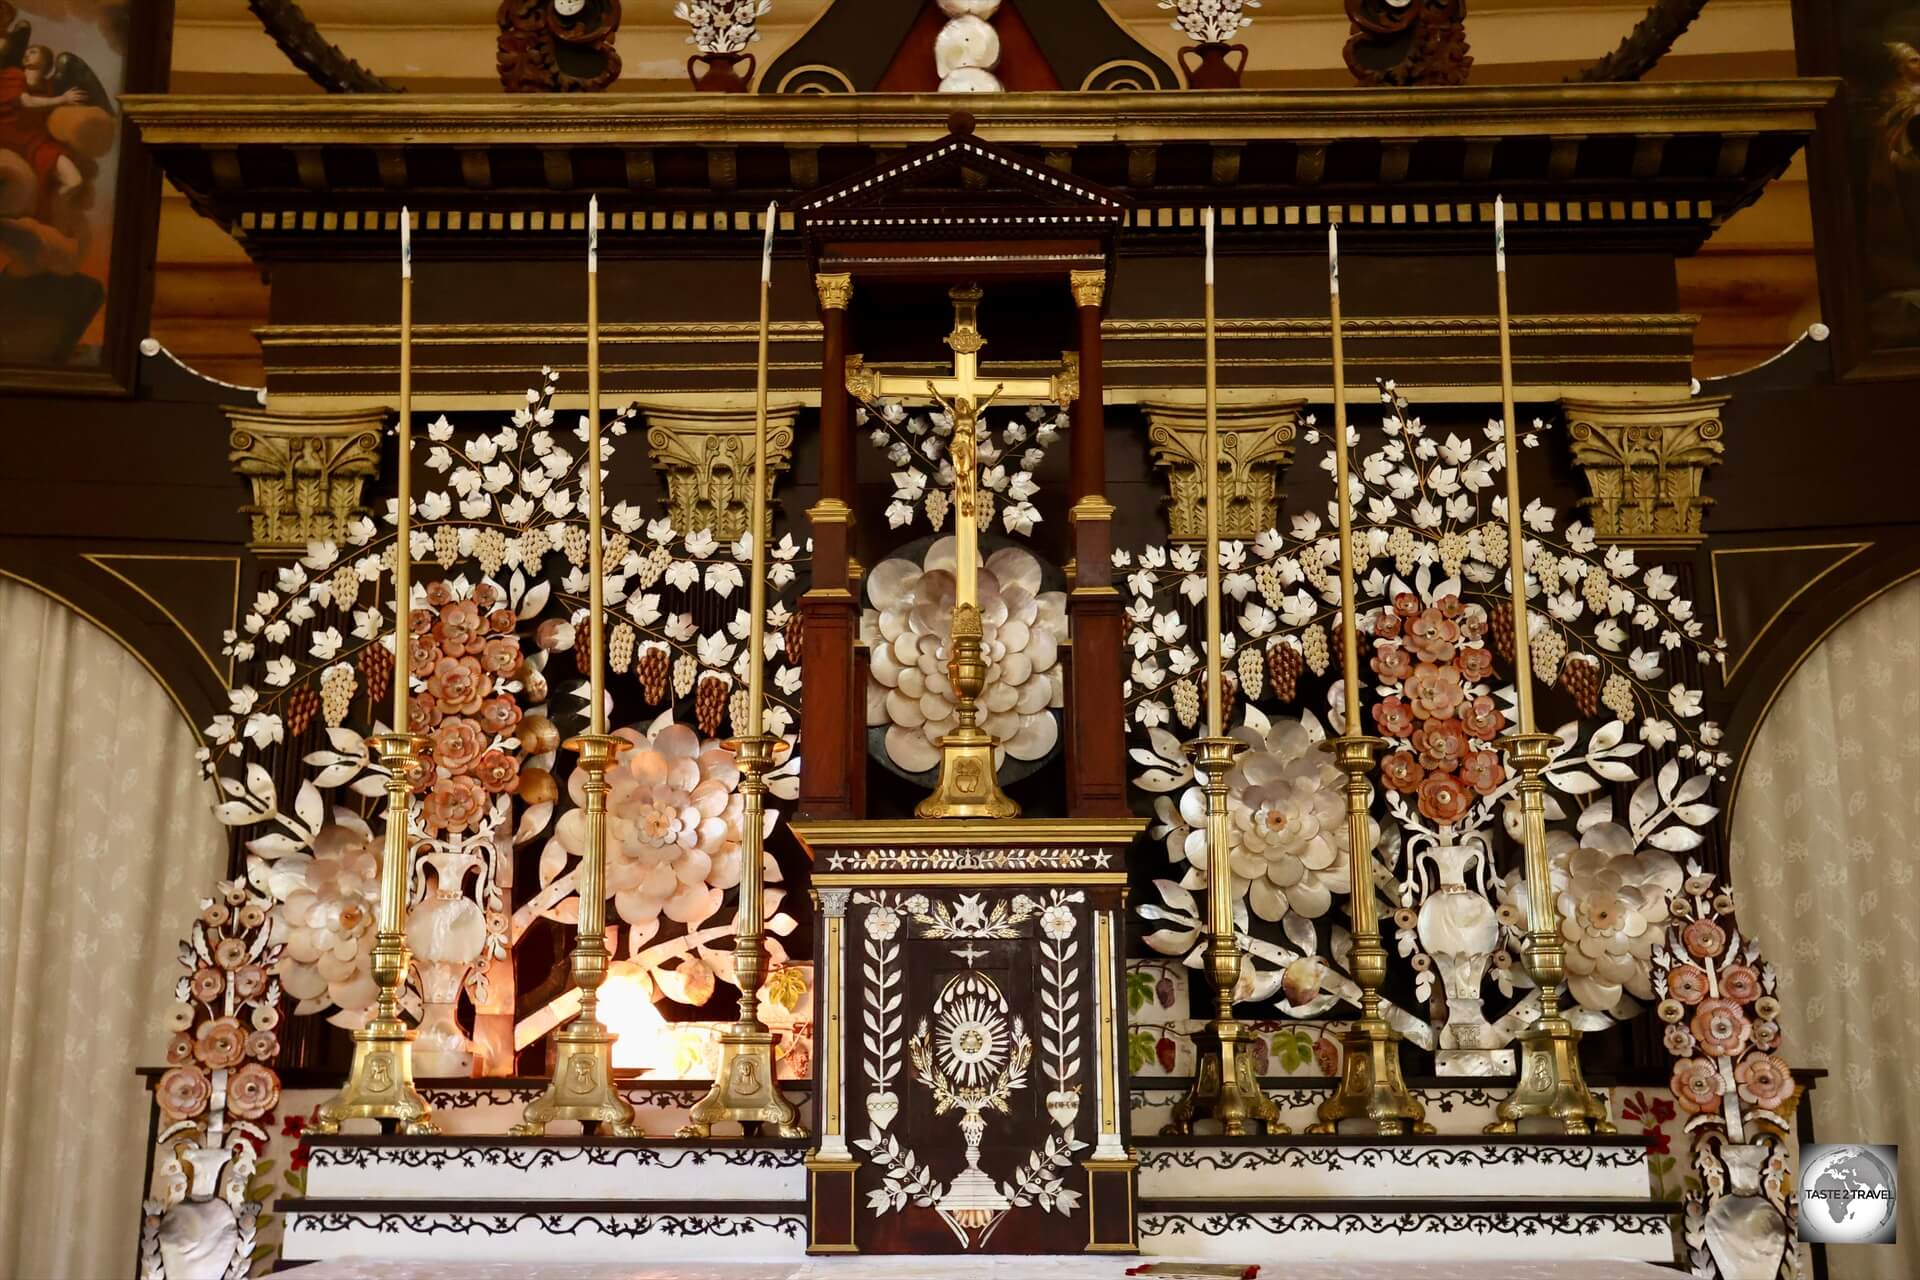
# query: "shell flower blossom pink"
[[1402, 771], [470, 707], [1764, 1080], [183, 1092], [1444, 799], [1721, 1027], [1695, 1085], [1433, 636], [1434, 692], [1688, 984], [1704, 939]]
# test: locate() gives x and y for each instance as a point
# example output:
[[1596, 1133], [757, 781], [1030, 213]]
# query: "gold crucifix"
[[968, 786]]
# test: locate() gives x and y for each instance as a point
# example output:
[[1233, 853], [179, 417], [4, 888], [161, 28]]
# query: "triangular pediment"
[[962, 183]]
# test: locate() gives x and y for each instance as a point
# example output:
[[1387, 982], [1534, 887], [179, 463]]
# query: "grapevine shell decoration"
[[906, 627]]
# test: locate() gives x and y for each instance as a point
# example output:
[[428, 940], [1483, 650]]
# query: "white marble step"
[[446, 1167], [1413, 1230], [1427, 1165], [534, 1231]]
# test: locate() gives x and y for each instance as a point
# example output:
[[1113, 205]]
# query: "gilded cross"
[[965, 394], [969, 786]]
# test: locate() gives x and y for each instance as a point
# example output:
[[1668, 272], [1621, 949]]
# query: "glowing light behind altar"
[[643, 1042]]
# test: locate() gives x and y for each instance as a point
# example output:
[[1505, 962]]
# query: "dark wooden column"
[[1096, 729], [832, 737]]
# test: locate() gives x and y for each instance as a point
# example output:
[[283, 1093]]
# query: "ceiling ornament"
[[558, 46], [1649, 41], [1407, 43], [312, 52]]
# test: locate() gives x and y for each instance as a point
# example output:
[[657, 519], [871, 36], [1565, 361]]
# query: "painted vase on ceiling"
[[1213, 67], [722, 73]]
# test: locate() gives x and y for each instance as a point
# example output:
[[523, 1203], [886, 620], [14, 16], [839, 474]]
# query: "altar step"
[[464, 1198], [1425, 1197]]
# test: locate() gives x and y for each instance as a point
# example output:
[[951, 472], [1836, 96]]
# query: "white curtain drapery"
[[1826, 864], [106, 844]]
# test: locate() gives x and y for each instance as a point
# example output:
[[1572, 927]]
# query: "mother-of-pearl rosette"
[[906, 627]]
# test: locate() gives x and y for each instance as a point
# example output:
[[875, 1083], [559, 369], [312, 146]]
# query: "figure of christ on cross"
[[968, 787]]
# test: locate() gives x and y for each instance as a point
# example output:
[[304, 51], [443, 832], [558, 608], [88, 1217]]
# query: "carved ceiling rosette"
[[1411, 42], [1256, 444]]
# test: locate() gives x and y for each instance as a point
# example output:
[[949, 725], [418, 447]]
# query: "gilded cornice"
[[1493, 111]]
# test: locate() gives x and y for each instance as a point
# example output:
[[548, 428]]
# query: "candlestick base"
[[1225, 1089], [744, 1090], [969, 785], [1371, 1086], [379, 1084], [582, 1087], [1551, 1085]]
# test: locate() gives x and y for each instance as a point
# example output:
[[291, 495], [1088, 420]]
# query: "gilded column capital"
[[706, 458], [1645, 465], [1089, 287], [1256, 446], [836, 290], [307, 471]]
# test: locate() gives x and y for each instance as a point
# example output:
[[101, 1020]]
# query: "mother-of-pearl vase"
[[198, 1236], [1745, 1233], [1458, 928], [446, 931]]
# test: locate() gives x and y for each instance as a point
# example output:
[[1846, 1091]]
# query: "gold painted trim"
[[967, 879], [431, 335], [835, 72], [172, 694], [1746, 748], [1259, 328], [1713, 569], [919, 833], [98, 560], [648, 119]]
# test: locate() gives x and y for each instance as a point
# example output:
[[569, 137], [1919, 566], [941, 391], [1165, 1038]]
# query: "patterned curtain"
[[106, 844], [1826, 828]]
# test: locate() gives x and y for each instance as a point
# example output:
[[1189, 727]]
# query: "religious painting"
[[77, 207], [1865, 171]]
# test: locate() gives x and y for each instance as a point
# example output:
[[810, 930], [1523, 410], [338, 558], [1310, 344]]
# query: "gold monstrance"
[[969, 786]]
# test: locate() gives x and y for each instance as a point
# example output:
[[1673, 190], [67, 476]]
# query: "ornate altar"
[[951, 697]]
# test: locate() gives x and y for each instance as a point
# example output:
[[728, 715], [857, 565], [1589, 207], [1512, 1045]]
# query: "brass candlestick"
[[1371, 1087], [969, 785], [379, 1084], [582, 1087], [1225, 1086], [1551, 1085], [744, 1089]]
